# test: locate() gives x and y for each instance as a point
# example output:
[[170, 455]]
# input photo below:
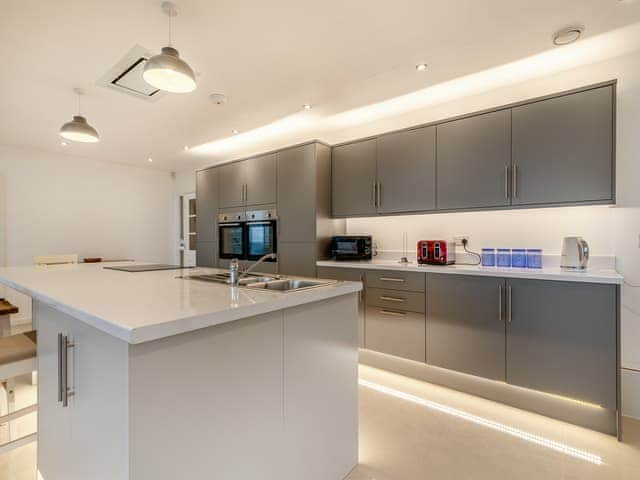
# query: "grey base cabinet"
[[349, 275], [396, 332], [561, 339], [467, 324]]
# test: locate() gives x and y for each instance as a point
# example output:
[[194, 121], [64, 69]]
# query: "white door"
[[188, 239]]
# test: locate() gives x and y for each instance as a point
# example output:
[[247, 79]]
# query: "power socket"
[[459, 238]]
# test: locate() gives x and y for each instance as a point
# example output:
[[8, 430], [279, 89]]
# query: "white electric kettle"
[[575, 253]]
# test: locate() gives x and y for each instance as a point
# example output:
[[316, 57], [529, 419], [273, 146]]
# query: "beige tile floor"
[[437, 433]]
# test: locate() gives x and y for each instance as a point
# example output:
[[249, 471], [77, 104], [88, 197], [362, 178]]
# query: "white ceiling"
[[269, 57]]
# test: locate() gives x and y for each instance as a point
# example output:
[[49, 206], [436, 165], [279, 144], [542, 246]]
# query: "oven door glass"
[[261, 239], [231, 241]]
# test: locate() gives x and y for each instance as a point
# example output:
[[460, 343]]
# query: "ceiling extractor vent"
[[126, 76]]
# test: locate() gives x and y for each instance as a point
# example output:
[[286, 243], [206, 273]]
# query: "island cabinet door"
[[467, 324], [54, 421], [561, 339], [88, 437]]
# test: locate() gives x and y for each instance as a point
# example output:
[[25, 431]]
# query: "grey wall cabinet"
[[563, 149], [474, 157], [354, 178], [561, 339], [467, 324], [207, 254], [231, 182], [206, 204], [406, 170], [349, 275], [297, 194], [248, 182], [260, 180]]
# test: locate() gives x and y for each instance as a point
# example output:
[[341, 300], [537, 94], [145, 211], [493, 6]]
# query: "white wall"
[[609, 230], [61, 204]]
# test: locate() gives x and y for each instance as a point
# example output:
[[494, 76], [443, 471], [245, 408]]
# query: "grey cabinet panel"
[[297, 194], [260, 180], [206, 204], [467, 325], [407, 171], [231, 181], [353, 177], [349, 275], [396, 280], [563, 149], [206, 254], [297, 258], [474, 154], [396, 333], [396, 299], [562, 339]]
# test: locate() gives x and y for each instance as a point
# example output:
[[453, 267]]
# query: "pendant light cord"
[[170, 31]]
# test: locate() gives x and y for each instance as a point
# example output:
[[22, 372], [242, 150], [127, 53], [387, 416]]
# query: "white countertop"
[[591, 275], [144, 306]]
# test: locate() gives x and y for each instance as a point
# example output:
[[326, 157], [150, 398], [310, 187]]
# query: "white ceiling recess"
[[269, 58]]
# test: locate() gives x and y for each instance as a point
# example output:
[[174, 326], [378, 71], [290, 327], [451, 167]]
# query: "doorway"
[[189, 218]]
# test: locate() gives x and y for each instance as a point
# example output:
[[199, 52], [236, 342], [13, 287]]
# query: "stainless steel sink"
[[261, 281], [289, 285]]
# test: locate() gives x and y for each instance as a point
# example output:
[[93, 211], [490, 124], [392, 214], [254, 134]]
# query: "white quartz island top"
[[144, 306], [595, 274]]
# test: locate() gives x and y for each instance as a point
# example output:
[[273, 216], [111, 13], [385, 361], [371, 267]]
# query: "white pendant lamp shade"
[[78, 130], [168, 72]]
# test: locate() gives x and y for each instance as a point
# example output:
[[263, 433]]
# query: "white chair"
[[17, 357], [55, 259]]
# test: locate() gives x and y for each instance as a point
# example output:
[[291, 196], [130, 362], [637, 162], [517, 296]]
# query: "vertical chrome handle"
[[379, 200], [509, 304], [515, 181], [361, 290], [374, 195], [506, 182], [500, 303], [63, 367], [60, 365]]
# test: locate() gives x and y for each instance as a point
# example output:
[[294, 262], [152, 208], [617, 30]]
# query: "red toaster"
[[436, 252]]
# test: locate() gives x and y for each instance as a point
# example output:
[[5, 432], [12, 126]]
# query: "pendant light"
[[167, 71], [78, 129]]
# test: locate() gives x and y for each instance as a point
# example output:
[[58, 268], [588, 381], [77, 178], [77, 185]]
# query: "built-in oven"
[[261, 233], [231, 235]]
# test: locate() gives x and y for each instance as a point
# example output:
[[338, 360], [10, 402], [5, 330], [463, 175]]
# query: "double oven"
[[247, 235]]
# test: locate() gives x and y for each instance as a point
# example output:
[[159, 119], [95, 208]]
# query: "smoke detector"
[[126, 76], [218, 98]]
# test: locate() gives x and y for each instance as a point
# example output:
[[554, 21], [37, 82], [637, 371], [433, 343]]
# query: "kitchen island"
[[151, 376]]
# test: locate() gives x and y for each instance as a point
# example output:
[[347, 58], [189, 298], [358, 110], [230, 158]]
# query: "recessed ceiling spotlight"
[[64, 144], [306, 106], [235, 132], [150, 159], [421, 67], [218, 98], [186, 148], [567, 35]]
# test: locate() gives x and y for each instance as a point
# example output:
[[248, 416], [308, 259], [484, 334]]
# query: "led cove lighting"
[[499, 427]]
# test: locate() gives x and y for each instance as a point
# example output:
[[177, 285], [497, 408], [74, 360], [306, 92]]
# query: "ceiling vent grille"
[[126, 76]]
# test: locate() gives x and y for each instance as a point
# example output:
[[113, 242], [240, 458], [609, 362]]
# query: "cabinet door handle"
[[393, 314], [392, 299], [500, 303], [374, 195], [63, 368], [392, 279], [379, 200], [509, 304], [361, 290], [515, 181], [506, 182]]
